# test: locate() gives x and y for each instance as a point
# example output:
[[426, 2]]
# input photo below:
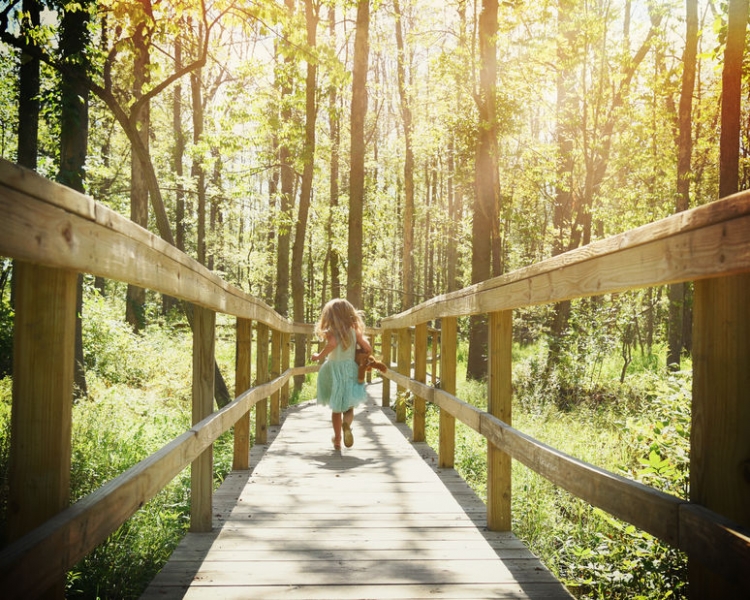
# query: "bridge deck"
[[378, 520]]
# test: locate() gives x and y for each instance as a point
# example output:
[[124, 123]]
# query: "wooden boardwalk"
[[378, 520]]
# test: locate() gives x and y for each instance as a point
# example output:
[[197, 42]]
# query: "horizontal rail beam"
[[29, 565], [704, 534], [49, 224], [708, 241]]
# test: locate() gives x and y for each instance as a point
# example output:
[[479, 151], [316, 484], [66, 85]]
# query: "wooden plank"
[[500, 396], [386, 350], [202, 469], [377, 514], [261, 373], [48, 224], [80, 528], [705, 242], [404, 367], [420, 374], [242, 382], [41, 419], [447, 422], [275, 414], [720, 435]]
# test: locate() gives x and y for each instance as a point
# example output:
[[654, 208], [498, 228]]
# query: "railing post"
[[242, 382], [420, 374], [275, 372], [719, 452], [285, 354], [499, 405], [435, 340], [404, 367], [261, 374], [43, 359], [201, 474], [448, 341], [385, 346]]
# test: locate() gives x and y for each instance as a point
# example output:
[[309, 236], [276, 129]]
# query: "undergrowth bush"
[[638, 428], [139, 399]]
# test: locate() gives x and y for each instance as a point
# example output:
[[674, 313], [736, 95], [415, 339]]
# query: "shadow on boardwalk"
[[378, 520]]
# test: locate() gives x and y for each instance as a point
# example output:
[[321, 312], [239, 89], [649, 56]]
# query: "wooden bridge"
[[54, 234], [379, 520]]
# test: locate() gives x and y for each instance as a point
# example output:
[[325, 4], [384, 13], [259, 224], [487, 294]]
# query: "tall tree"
[[308, 156], [721, 390], [136, 296], [28, 93], [334, 119], [684, 156], [357, 159], [74, 135], [485, 241], [407, 258], [285, 75]]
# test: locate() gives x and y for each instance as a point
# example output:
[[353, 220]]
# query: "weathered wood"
[[420, 374], [499, 405], [43, 358], [720, 435], [261, 374], [285, 363], [404, 367], [448, 347], [373, 521], [49, 224], [202, 470], [386, 350], [31, 563], [242, 382], [704, 242], [275, 414]]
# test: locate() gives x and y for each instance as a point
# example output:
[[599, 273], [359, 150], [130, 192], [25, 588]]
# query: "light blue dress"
[[337, 379]]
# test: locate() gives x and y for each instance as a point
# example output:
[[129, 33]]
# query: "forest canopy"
[[398, 149]]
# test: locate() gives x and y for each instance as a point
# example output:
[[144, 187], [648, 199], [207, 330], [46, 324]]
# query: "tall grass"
[[139, 399], [638, 428]]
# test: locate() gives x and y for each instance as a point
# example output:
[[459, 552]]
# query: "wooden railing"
[[54, 234], [709, 245]]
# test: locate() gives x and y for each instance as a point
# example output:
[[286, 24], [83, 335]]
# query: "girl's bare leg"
[[347, 421], [336, 422]]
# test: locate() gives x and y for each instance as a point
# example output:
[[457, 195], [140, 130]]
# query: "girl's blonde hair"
[[337, 317]]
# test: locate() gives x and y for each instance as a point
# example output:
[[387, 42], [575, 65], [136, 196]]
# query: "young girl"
[[342, 328]]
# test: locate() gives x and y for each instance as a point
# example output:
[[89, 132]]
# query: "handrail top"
[[89, 237], [669, 239]]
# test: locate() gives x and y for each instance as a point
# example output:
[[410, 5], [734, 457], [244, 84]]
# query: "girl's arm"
[[330, 345], [363, 343]]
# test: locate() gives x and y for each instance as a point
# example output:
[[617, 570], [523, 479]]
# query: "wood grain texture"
[[379, 520], [708, 241], [48, 224]]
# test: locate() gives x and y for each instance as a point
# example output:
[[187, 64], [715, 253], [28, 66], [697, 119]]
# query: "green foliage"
[[639, 428]]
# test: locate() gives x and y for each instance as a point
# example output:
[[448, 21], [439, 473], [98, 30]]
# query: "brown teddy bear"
[[366, 361]]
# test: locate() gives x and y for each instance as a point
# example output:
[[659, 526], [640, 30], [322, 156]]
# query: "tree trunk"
[[197, 170], [136, 296], [485, 213], [74, 129], [333, 116], [311, 113], [178, 155], [407, 260], [28, 95], [721, 419], [283, 235], [675, 343], [357, 169]]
